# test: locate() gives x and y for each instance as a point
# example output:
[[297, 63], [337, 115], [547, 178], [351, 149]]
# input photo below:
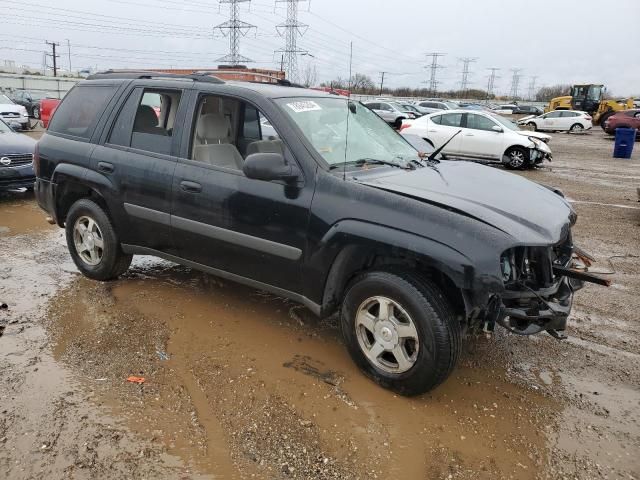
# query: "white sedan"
[[11, 112], [567, 120], [482, 136]]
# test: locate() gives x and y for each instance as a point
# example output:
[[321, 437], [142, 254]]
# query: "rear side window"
[[80, 110], [568, 114], [451, 119], [436, 119]]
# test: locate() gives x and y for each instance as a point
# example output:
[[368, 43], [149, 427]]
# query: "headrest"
[[146, 118], [213, 128]]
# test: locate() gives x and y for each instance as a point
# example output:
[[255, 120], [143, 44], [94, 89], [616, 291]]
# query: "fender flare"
[[345, 239]]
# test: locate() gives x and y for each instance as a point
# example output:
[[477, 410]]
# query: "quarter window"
[[81, 109]]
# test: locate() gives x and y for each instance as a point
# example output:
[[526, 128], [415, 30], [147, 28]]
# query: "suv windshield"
[[323, 122]]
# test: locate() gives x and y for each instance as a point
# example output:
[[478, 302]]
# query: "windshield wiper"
[[373, 161], [433, 156]]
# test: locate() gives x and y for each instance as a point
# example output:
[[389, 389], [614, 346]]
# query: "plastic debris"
[[162, 355], [138, 380]]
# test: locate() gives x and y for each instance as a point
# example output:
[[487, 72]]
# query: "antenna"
[[464, 82], [346, 139], [290, 29], [515, 82], [492, 81], [433, 82], [234, 28]]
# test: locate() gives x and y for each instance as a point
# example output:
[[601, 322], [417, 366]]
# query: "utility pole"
[[492, 81], [381, 82], [464, 82], [515, 82], [433, 81], [69, 52], [234, 28], [532, 87], [54, 56], [290, 30]]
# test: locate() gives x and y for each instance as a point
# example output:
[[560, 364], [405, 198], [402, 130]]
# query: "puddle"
[[19, 214], [254, 384]]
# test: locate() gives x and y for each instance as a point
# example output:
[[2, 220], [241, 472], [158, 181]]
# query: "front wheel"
[[517, 158], [401, 331], [93, 242]]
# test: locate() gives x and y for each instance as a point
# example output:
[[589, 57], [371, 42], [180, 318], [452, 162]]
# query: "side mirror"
[[496, 128], [15, 126], [270, 166]]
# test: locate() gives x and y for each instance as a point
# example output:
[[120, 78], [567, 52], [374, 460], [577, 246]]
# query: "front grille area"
[[15, 160], [10, 114]]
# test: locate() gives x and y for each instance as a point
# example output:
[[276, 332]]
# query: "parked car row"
[[481, 136]]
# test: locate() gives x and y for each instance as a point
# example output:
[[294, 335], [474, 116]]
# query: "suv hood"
[[11, 142], [530, 213]]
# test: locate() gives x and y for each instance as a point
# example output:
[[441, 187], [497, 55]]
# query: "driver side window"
[[478, 122]]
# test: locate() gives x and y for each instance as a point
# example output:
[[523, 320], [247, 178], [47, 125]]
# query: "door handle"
[[106, 167], [190, 187]]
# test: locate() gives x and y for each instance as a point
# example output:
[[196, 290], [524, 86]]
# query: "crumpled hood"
[[530, 213]]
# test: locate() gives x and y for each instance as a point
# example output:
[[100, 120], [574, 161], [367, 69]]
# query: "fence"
[[56, 87]]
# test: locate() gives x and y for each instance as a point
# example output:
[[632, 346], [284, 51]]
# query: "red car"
[[47, 107], [623, 119]]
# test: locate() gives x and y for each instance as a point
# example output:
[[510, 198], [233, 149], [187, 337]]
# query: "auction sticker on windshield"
[[306, 106]]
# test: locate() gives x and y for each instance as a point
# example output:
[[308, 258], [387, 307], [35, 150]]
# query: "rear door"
[[567, 119], [442, 127], [479, 140], [137, 155], [551, 121]]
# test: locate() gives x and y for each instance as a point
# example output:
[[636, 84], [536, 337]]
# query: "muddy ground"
[[242, 384]]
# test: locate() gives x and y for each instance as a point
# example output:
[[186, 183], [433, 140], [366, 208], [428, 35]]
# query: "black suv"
[[330, 208]]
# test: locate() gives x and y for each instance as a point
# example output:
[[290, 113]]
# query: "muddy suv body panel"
[[307, 240]]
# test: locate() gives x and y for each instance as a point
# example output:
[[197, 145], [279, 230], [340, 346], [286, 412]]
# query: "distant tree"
[[309, 75], [547, 93]]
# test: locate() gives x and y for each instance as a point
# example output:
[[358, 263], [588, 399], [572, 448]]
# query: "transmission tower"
[[492, 81], [234, 28], [434, 67], [515, 82], [464, 82], [532, 87], [290, 30]]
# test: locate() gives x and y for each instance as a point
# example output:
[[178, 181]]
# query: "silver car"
[[390, 112]]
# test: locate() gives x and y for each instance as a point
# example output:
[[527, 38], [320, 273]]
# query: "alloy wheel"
[[387, 335], [88, 240]]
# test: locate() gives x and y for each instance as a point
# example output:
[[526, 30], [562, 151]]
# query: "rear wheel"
[[400, 331], [93, 242], [398, 123], [517, 158], [576, 128], [603, 119], [36, 112], [533, 125]]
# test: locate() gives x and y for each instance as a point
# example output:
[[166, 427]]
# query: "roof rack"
[[142, 74]]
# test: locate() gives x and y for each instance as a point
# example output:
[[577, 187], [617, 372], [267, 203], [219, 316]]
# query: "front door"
[[138, 158], [221, 219], [480, 140]]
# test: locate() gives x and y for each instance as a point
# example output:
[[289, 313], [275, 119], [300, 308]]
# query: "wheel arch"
[[387, 249]]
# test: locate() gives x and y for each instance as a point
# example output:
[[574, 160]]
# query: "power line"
[[515, 82], [464, 82], [234, 28], [434, 67], [532, 86], [290, 29]]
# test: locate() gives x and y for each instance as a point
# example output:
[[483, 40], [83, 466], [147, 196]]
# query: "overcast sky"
[[559, 41]]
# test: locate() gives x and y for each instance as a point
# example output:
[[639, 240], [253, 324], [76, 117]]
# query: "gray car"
[[390, 112]]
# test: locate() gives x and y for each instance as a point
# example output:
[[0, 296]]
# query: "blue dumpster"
[[625, 138]]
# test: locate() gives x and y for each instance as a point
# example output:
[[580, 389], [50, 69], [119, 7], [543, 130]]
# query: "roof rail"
[[141, 74], [273, 79]]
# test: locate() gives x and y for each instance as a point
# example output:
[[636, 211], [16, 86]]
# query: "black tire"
[[36, 112], [439, 332], [533, 124], [513, 163], [603, 119], [113, 262], [398, 123]]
